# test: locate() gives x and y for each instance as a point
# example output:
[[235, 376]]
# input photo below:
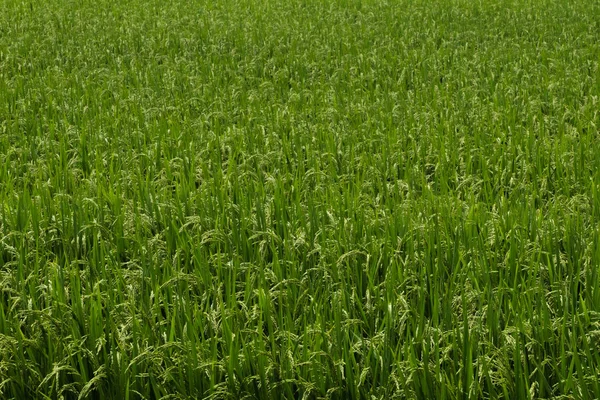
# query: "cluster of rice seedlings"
[[255, 199]]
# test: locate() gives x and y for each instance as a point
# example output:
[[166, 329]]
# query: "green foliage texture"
[[303, 199]]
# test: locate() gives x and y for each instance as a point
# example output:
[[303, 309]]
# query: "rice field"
[[303, 199]]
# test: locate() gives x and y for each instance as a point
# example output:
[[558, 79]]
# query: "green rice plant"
[[252, 199]]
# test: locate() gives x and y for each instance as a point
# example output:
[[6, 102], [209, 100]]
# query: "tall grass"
[[255, 199]]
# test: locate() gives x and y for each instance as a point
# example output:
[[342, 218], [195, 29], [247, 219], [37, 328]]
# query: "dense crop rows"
[[299, 199]]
